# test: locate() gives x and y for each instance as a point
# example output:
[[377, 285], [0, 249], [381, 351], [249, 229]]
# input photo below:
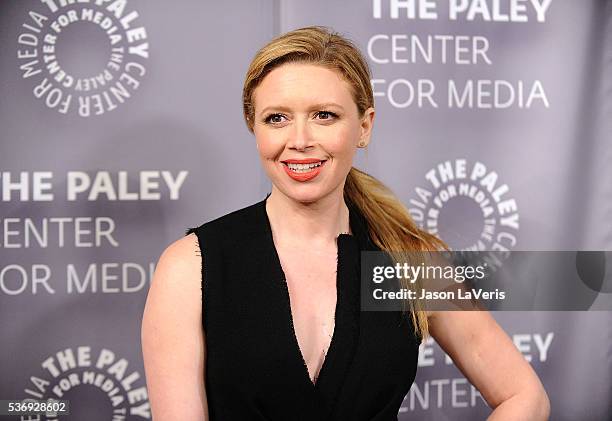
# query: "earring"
[[362, 143]]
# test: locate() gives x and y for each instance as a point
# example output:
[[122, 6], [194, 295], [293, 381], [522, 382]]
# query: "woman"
[[276, 332]]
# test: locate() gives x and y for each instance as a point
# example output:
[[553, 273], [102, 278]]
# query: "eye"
[[274, 118], [327, 114]]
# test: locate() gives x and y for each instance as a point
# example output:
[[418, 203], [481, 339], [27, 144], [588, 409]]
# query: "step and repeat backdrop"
[[121, 126]]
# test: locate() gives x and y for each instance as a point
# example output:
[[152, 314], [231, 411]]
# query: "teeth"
[[303, 167]]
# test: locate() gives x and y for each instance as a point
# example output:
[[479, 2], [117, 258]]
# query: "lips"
[[303, 169]]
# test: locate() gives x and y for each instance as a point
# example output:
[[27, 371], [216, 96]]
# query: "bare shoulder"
[[173, 342], [175, 291], [182, 258], [177, 280]]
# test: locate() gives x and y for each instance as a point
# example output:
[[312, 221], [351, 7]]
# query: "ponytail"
[[392, 229]]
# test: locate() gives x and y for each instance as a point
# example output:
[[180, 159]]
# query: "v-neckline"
[[331, 349]]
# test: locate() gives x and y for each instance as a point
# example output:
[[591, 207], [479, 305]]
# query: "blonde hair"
[[389, 223]]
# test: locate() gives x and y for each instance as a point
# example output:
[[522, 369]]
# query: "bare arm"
[[173, 342], [487, 357]]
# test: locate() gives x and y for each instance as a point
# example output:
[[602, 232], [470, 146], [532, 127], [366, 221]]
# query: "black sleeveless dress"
[[254, 366]]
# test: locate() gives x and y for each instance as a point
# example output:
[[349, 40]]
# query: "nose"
[[300, 137]]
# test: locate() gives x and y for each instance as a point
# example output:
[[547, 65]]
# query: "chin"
[[304, 194]]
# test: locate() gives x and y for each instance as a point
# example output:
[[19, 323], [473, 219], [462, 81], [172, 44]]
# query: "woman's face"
[[307, 129]]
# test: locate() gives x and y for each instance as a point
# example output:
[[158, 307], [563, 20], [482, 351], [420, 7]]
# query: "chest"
[[312, 285]]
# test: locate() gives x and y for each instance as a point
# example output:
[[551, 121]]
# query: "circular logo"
[[98, 385], [467, 206], [84, 58]]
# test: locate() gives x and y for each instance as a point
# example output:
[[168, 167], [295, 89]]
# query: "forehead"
[[299, 84]]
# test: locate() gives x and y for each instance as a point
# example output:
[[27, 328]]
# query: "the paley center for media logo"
[[97, 383], [467, 205], [85, 57]]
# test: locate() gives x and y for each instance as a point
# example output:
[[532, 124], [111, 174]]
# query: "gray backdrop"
[[122, 126]]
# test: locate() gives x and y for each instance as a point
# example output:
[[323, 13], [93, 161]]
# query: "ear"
[[367, 121]]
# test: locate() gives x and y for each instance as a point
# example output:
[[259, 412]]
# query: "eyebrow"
[[314, 107]]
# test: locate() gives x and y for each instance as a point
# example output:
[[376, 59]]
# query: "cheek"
[[268, 146], [343, 145]]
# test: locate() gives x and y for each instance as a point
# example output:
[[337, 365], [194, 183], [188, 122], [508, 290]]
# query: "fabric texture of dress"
[[254, 366]]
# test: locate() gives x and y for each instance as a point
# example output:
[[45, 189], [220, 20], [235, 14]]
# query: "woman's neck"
[[315, 223]]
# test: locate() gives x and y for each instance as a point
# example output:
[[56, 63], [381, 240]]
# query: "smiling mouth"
[[303, 167]]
